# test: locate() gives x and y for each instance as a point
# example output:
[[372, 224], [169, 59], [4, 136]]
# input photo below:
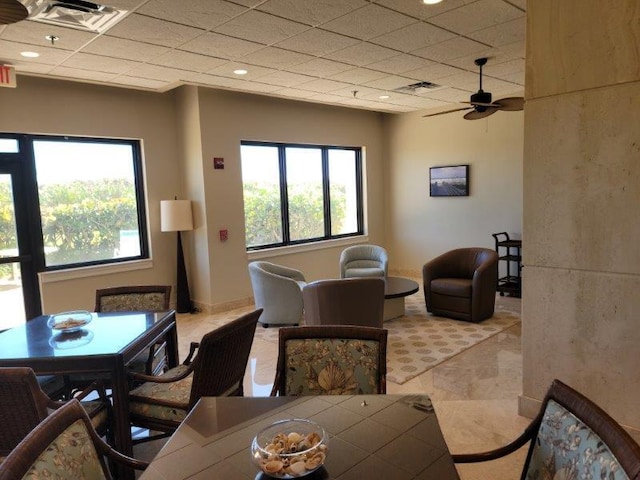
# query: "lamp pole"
[[175, 216]]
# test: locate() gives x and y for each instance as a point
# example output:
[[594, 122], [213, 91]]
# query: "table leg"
[[121, 424], [393, 307], [172, 345]]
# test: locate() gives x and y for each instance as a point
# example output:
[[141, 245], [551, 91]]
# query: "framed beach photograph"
[[450, 181]]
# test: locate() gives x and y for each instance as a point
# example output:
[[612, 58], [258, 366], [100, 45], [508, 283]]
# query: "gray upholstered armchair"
[[461, 284], [363, 261], [278, 291]]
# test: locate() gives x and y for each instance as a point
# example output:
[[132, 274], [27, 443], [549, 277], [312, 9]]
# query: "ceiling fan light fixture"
[[12, 11]]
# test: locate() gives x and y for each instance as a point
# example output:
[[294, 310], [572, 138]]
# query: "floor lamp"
[[175, 216]]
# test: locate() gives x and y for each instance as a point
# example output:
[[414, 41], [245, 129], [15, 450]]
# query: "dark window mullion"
[[284, 194], [326, 188], [359, 192]]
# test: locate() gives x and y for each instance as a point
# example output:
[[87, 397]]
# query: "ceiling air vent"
[[420, 87], [78, 14]]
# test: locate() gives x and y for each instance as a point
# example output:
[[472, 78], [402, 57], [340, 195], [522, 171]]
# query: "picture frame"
[[449, 181]]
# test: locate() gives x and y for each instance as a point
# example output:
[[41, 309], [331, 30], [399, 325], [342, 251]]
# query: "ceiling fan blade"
[[510, 104], [12, 11], [447, 111], [476, 115]]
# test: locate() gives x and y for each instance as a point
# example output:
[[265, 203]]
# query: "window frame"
[[27, 155], [284, 197]]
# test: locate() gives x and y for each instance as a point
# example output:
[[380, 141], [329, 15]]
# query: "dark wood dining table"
[[106, 345], [395, 437]]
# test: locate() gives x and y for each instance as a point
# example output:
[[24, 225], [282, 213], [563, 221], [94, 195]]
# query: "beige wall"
[[422, 227], [52, 107], [227, 118], [581, 196]]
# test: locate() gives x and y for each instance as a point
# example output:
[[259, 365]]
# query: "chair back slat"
[[222, 357]]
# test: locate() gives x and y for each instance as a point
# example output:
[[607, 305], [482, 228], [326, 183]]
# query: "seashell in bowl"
[[290, 448], [68, 322]]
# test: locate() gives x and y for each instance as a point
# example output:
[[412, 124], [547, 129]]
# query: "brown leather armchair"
[[348, 301], [461, 284]]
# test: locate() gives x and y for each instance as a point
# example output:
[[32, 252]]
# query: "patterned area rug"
[[418, 341]]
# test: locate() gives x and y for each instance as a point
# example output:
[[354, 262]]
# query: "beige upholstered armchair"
[[461, 284], [278, 291], [363, 261]]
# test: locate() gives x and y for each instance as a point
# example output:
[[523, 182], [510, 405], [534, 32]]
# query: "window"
[[90, 200], [300, 193]]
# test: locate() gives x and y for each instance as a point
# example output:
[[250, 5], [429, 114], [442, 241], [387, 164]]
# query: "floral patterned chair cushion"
[[176, 393], [70, 455], [567, 449], [152, 301], [331, 366]]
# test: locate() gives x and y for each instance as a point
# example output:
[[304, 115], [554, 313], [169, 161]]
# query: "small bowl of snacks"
[[69, 322], [290, 448]]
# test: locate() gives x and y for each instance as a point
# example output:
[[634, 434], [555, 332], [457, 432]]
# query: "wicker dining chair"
[[571, 437], [23, 405], [131, 298], [331, 360], [64, 446], [217, 369]]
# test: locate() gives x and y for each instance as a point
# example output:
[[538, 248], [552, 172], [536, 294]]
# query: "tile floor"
[[475, 394]]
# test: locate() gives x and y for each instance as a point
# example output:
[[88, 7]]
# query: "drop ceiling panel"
[[253, 71], [390, 83], [188, 61], [154, 31], [358, 75], [221, 46], [319, 67], [284, 79], [276, 58], [261, 27], [324, 86], [77, 73], [140, 82], [48, 56], [369, 22], [503, 34], [85, 61], [398, 64], [362, 54], [314, 12], [317, 42], [412, 37], [123, 48], [450, 49], [35, 33], [477, 16], [206, 14]]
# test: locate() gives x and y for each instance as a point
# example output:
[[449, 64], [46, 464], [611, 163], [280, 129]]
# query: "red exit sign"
[[8, 76]]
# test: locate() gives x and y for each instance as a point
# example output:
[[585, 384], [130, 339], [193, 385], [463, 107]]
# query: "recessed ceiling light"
[[30, 54], [383, 97], [241, 71], [431, 2]]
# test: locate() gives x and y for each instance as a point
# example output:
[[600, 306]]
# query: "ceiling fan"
[[482, 104]]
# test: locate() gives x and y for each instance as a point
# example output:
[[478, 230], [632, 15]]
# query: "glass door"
[[19, 293]]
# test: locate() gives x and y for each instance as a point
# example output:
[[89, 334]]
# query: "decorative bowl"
[[290, 448], [68, 322]]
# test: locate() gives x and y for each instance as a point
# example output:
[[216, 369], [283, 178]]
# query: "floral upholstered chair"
[[571, 438], [64, 446], [218, 368], [153, 298], [23, 405], [331, 360]]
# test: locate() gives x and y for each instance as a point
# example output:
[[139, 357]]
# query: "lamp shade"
[[175, 215]]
